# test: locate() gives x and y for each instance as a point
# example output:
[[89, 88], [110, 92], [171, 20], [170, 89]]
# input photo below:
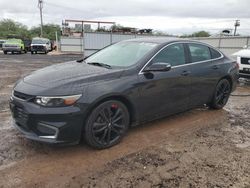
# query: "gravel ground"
[[199, 148], [217, 155]]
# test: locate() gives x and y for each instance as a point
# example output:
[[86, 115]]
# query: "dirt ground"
[[198, 148]]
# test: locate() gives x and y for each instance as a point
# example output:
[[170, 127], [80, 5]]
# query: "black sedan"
[[122, 85]]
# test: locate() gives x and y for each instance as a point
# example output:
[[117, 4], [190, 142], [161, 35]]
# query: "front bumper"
[[50, 125], [11, 49], [244, 74]]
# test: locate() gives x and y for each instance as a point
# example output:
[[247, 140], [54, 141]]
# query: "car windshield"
[[38, 41], [13, 41], [122, 54]]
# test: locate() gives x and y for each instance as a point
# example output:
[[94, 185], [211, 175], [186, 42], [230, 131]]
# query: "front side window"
[[173, 54], [199, 52]]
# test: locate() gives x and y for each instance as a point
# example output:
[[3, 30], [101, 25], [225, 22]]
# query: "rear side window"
[[199, 52], [215, 53], [173, 54]]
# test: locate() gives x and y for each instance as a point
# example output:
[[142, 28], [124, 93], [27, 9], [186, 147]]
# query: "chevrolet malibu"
[[122, 85]]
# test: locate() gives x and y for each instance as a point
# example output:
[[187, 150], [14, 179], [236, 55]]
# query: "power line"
[[62, 7]]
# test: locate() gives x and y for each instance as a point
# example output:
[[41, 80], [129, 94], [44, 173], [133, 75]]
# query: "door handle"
[[185, 73], [215, 67]]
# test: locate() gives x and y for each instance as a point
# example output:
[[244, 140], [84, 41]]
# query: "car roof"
[[162, 40], [159, 40]]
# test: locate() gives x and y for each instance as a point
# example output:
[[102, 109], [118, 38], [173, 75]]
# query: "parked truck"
[[13, 45], [40, 45]]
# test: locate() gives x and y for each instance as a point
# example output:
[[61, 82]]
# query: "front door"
[[165, 93]]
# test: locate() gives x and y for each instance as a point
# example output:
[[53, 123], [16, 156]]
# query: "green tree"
[[10, 28], [48, 31]]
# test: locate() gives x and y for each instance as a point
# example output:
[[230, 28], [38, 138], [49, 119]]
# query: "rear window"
[[214, 53], [199, 52]]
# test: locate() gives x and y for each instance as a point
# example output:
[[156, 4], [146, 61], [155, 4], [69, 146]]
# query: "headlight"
[[57, 101]]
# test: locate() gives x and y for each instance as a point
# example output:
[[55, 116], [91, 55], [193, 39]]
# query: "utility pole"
[[236, 24], [40, 6]]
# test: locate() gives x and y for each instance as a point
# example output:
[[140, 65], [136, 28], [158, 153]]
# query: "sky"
[[171, 16]]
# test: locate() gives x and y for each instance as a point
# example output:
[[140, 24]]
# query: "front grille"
[[37, 47], [244, 72], [21, 118], [21, 114], [245, 61], [22, 96]]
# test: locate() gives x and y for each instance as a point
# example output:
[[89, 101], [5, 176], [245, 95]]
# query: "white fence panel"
[[233, 42], [211, 41], [71, 44], [95, 41], [120, 37]]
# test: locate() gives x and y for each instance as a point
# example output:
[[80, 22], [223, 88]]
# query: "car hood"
[[70, 75], [243, 53]]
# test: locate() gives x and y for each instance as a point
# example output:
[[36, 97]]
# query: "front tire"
[[107, 124], [221, 94], [5, 52]]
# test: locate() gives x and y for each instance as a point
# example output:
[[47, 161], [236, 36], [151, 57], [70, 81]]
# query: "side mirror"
[[158, 67]]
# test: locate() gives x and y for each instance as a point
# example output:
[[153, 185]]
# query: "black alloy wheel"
[[107, 124], [221, 95]]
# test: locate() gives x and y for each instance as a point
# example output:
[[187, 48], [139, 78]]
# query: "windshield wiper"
[[100, 64], [80, 60]]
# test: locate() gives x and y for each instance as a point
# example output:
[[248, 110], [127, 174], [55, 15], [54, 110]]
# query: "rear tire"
[[106, 124], [221, 94], [5, 52]]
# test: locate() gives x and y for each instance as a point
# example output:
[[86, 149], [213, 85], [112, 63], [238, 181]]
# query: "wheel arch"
[[121, 98], [228, 77]]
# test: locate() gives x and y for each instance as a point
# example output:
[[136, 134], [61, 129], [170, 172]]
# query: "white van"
[[40, 45]]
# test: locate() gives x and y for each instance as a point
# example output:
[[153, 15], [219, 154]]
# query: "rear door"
[[168, 92], [205, 66]]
